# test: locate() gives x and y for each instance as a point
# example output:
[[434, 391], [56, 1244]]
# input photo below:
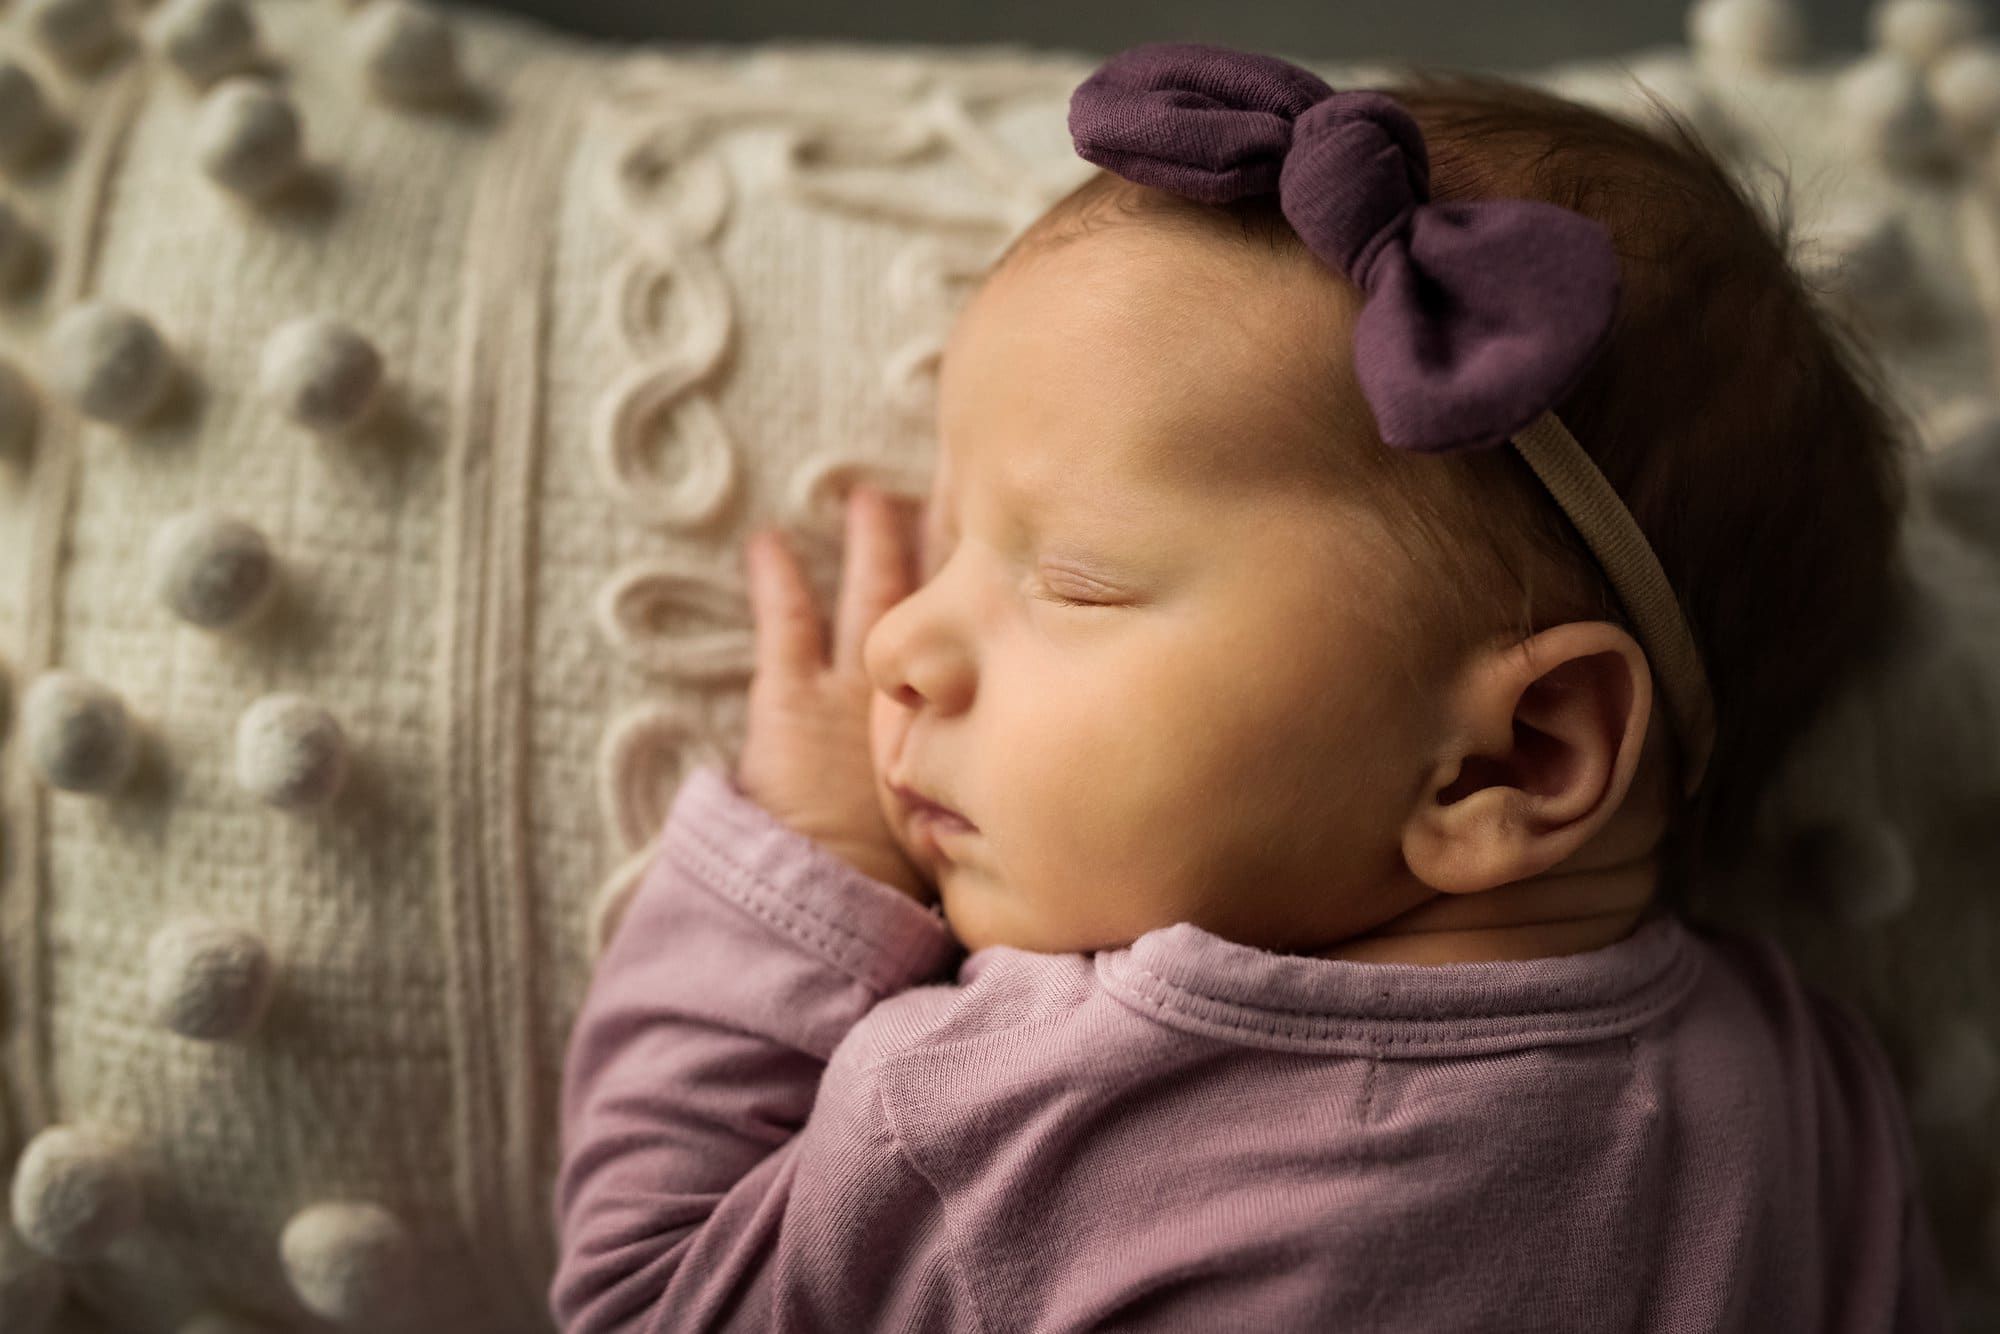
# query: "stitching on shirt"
[[1243, 1024], [803, 906], [1368, 1084], [909, 1160], [1677, 964], [728, 880], [864, 943]]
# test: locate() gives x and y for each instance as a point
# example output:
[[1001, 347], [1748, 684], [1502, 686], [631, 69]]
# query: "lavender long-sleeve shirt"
[[791, 1102]]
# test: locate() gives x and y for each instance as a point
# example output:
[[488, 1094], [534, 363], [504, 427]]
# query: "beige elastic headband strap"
[[1608, 527]]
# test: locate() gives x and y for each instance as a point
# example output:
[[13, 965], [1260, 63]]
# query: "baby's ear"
[[1543, 740]]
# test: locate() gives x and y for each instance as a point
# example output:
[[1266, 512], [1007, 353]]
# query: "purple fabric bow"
[[1479, 315]]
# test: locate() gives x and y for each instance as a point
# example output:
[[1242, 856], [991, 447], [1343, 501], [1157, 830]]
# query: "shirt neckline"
[[1188, 978]]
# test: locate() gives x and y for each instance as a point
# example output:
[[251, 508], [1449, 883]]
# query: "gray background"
[[1472, 33]]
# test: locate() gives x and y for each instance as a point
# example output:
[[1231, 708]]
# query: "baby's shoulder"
[[999, 991]]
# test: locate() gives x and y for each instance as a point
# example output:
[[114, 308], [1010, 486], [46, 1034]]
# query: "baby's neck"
[[1600, 895]]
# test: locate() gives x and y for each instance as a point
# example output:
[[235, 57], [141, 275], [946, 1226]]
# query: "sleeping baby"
[[1223, 863]]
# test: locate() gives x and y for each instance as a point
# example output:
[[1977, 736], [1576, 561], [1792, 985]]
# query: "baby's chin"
[[980, 918]]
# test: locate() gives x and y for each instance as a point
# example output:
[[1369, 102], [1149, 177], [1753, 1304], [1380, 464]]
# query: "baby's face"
[[1225, 723]]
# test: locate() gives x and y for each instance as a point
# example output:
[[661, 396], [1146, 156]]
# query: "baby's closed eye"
[[1072, 590], [1060, 600]]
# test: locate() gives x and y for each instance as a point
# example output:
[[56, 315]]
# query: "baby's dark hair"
[[1744, 423]]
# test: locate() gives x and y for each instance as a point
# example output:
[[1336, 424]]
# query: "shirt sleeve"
[[717, 1173]]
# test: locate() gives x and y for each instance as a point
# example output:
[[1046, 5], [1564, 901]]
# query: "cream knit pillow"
[[384, 396]]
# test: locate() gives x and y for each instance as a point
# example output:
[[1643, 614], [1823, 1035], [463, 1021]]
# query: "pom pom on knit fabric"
[[1889, 112], [407, 52], [1965, 87], [248, 136], [212, 570], [109, 362], [323, 374], [207, 979], [205, 39], [290, 751], [75, 1192], [1957, 1074], [1922, 30], [352, 1262], [80, 34], [1862, 872], [1747, 32], [78, 734], [27, 122]]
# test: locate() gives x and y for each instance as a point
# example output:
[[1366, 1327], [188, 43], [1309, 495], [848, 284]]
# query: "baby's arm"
[[688, 1198]]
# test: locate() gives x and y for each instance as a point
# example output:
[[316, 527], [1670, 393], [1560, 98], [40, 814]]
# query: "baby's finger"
[[875, 571], [790, 639]]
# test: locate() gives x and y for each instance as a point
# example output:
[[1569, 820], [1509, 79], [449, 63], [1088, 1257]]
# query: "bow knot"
[[1479, 315]]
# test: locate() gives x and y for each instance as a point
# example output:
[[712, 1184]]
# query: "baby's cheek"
[[885, 722]]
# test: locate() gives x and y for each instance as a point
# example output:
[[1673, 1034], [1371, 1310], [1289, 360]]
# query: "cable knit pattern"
[[377, 442]]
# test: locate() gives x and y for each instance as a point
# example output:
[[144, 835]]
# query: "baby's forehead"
[[1156, 364], [1165, 475]]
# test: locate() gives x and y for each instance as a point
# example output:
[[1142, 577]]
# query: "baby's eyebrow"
[[1027, 496]]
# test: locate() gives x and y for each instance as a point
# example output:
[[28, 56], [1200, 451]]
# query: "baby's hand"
[[805, 753]]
